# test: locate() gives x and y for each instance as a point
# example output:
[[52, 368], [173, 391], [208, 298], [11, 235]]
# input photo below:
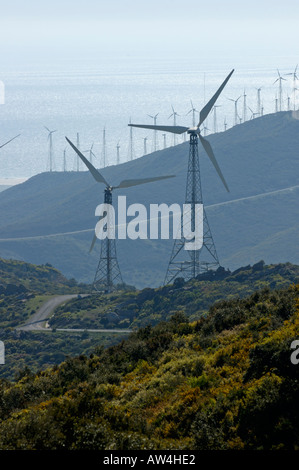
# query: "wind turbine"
[[236, 109], [205, 130], [117, 153], [91, 153], [155, 132], [131, 145], [295, 78], [215, 117], [64, 160], [225, 124], [244, 107], [174, 114], [108, 272], [193, 111], [276, 104], [259, 100], [50, 146], [280, 79], [164, 140], [194, 266], [104, 155], [144, 146], [253, 114]]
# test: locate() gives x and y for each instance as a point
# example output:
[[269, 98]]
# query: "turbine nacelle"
[[193, 130]]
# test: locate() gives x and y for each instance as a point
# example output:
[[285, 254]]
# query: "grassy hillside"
[[259, 161], [223, 382]]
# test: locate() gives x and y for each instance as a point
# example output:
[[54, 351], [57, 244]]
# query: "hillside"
[[37, 350], [17, 276], [258, 219], [221, 383], [137, 309], [24, 288]]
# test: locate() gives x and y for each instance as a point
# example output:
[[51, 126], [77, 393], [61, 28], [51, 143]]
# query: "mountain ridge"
[[256, 157]]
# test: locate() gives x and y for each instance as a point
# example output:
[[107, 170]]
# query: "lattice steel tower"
[[108, 273], [189, 263]]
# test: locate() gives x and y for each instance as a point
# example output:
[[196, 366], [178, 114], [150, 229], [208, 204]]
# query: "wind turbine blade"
[[9, 141], [136, 182], [47, 129], [173, 129], [207, 108], [95, 173], [93, 243], [206, 145]]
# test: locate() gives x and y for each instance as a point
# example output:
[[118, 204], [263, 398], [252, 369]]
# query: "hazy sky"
[[69, 28]]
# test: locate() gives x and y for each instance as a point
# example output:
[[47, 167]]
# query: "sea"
[[92, 101]]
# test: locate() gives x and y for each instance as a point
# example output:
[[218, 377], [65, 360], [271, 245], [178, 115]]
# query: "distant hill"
[[17, 275], [258, 219]]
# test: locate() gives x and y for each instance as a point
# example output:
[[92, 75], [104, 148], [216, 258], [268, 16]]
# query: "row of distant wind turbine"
[[246, 113]]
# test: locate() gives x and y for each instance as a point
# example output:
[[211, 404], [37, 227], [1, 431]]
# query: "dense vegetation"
[[224, 381]]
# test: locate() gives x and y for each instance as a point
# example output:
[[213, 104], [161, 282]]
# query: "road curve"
[[37, 320]]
